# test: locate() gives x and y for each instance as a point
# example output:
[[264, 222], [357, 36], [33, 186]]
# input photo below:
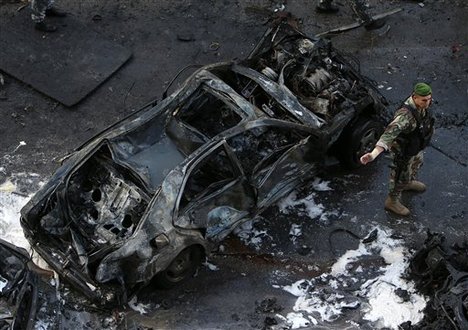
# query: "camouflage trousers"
[[402, 171], [38, 8]]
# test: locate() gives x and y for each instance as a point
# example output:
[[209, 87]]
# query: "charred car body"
[[155, 192]]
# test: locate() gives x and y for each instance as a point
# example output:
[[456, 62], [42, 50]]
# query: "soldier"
[[42, 8], [327, 6], [406, 136]]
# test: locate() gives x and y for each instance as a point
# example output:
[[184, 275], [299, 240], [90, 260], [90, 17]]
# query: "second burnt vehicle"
[[151, 195]]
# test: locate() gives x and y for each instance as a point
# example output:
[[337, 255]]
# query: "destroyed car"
[[151, 195]]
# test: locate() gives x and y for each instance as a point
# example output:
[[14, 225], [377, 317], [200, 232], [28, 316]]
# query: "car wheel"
[[358, 140], [182, 267]]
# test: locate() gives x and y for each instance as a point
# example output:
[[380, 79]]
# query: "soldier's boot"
[[55, 12], [414, 185], [326, 7], [393, 204], [44, 27]]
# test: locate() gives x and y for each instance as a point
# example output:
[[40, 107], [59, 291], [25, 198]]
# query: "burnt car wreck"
[[154, 193]]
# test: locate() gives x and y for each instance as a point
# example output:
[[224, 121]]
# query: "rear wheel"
[[182, 267], [359, 139]]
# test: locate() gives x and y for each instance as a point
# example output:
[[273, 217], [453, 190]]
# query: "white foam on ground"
[[320, 185], [304, 206], [380, 304], [11, 202], [297, 320], [250, 235], [307, 206]]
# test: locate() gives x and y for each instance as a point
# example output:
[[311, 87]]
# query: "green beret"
[[422, 89]]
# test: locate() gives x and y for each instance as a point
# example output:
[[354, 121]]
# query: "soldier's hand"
[[366, 158], [370, 156]]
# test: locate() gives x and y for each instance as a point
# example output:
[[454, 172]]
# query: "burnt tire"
[[182, 267], [360, 138]]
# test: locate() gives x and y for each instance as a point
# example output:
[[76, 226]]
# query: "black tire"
[[182, 267], [360, 138]]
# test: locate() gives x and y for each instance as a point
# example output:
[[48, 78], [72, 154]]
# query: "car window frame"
[[238, 173], [220, 95]]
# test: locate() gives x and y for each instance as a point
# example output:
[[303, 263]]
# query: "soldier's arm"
[[401, 123]]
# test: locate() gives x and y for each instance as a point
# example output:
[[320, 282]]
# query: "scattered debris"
[[355, 25], [188, 37], [20, 8], [440, 271], [21, 144], [455, 49], [295, 232], [210, 266], [214, 45], [268, 305], [281, 7]]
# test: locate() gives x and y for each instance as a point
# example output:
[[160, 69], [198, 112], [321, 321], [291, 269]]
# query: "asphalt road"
[[425, 42]]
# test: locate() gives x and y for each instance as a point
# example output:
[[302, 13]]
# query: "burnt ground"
[[425, 42]]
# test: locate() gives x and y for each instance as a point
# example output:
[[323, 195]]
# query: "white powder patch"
[[385, 307], [11, 202], [250, 235], [297, 320], [339, 267], [298, 288], [328, 296], [305, 206], [320, 185], [10, 206]]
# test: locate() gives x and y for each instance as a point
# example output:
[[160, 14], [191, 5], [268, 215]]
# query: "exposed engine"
[[104, 204], [311, 71]]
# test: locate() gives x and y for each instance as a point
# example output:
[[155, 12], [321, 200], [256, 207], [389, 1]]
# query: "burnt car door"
[[216, 194], [276, 157]]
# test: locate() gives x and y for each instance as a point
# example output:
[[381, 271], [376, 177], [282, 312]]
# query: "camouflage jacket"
[[402, 123]]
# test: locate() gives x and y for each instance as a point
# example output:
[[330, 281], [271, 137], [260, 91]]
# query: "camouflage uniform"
[[39, 8], [403, 168]]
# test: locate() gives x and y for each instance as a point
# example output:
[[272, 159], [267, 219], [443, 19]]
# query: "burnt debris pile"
[[440, 271]]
